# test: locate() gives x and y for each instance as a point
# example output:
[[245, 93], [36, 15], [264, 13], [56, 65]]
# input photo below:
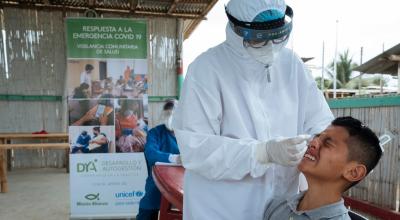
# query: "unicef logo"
[[139, 193], [131, 194]]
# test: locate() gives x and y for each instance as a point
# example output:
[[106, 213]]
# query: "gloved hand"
[[175, 158], [286, 152]]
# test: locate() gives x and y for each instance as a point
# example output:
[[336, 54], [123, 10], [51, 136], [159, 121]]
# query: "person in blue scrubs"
[[161, 146], [82, 143]]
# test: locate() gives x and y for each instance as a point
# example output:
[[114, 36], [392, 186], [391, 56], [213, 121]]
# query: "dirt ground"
[[36, 194]]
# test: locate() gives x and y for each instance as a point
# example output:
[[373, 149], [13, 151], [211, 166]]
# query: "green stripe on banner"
[[161, 98], [364, 102], [47, 98]]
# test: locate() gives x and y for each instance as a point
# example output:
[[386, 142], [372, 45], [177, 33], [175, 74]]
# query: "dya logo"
[[92, 196], [86, 167]]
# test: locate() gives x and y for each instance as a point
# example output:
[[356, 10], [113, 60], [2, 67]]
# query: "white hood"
[[235, 42], [247, 10]]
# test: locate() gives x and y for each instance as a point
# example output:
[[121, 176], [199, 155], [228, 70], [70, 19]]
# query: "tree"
[[344, 67], [327, 82]]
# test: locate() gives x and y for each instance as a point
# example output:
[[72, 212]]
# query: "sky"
[[373, 25]]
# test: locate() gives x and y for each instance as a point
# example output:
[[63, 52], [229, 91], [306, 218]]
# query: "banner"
[[108, 115], [106, 38], [101, 183]]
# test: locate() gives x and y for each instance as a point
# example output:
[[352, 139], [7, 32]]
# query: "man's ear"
[[355, 171]]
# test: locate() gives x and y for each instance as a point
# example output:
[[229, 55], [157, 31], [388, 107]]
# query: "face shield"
[[166, 118], [266, 35], [257, 34]]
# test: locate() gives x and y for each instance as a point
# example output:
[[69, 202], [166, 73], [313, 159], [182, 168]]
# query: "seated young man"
[[99, 142], [336, 159]]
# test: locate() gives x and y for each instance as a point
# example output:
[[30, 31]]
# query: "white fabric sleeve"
[[83, 77], [197, 128], [318, 115]]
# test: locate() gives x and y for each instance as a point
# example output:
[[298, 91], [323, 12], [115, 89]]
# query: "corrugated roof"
[[193, 11], [382, 63]]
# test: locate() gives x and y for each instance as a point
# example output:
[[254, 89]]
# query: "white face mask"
[[266, 54], [168, 123]]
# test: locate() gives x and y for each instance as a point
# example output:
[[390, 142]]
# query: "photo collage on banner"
[[108, 115]]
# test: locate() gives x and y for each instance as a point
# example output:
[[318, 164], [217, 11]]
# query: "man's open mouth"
[[309, 156]]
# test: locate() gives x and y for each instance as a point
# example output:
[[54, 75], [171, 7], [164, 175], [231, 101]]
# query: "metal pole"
[[334, 62], [381, 75], [360, 78], [179, 55], [323, 67]]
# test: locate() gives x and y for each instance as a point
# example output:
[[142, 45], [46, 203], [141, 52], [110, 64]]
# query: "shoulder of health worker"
[[206, 65], [290, 57]]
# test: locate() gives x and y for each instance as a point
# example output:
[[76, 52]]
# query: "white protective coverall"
[[227, 107]]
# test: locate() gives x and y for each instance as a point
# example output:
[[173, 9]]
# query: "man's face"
[[95, 132], [327, 155]]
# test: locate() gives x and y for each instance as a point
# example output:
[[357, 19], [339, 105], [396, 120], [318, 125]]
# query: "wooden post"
[[67, 159], [3, 170], [8, 156], [396, 58]]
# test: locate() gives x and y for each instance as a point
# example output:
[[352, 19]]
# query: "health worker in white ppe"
[[244, 109]]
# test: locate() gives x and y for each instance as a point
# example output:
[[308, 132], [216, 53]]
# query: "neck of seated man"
[[321, 193]]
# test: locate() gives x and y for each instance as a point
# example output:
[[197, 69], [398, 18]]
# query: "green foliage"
[[370, 81], [344, 66], [327, 82]]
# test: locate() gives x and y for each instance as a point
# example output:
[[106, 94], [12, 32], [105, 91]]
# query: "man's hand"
[[286, 152]]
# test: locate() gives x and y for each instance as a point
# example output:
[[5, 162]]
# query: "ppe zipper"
[[268, 74]]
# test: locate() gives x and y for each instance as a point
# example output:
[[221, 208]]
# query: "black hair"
[[78, 91], [169, 104], [84, 86], [89, 67], [96, 128], [363, 144]]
